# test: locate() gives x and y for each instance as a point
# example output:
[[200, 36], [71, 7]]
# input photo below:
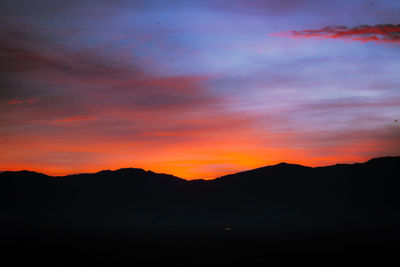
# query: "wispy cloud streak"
[[381, 33]]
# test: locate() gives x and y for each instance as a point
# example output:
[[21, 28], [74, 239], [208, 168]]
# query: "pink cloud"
[[381, 33], [31, 101], [78, 118], [18, 101], [14, 102]]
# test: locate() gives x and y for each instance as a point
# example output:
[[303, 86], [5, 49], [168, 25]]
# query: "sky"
[[197, 89]]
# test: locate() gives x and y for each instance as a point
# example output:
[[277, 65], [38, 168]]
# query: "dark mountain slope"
[[356, 204]]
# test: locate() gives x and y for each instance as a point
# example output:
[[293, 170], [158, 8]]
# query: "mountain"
[[340, 212]]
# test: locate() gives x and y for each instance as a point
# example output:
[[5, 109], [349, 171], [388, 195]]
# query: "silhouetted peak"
[[285, 164], [281, 167], [135, 175], [22, 173], [128, 170], [123, 171], [282, 164], [270, 171], [383, 160]]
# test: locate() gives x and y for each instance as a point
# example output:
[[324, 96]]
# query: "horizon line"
[[194, 179]]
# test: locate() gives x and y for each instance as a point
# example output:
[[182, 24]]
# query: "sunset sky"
[[197, 89]]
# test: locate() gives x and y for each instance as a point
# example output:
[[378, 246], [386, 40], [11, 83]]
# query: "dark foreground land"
[[282, 214]]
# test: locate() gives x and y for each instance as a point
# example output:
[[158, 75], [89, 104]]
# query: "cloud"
[[78, 118], [35, 64], [14, 102], [381, 33], [31, 101], [18, 101], [106, 94], [352, 103]]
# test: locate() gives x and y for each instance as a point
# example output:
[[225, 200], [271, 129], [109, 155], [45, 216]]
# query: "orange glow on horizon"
[[193, 160]]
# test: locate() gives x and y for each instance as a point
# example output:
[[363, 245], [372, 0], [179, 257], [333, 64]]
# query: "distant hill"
[[281, 202]]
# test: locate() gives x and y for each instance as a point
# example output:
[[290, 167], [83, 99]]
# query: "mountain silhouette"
[[279, 213]]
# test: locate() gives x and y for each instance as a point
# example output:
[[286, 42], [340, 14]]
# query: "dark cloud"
[[15, 102], [78, 118], [35, 49], [352, 103], [80, 80], [18, 101], [381, 33]]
